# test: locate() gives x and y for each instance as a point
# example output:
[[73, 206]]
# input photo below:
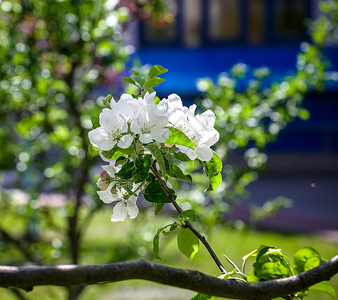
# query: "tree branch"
[[187, 223], [67, 275]]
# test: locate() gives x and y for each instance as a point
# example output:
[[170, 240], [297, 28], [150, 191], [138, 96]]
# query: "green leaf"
[[187, 215], [252, 277], [181, 157], [271, 270], [135, 72], [156, 70], [214, 165], [172, 228], [116, 152], [93, 150], [177, 137], [95, 121], [121, 160], [156, 239], [214, 182], [128, 80], [176, 172], [158, 207], [200, 296], [106, 101], [127, 170], [306, 258], [138, 79], [213, 170], [324, 287], [187, 242], [155, 193], [142, 167], [152, 82], [270, 264], [156, 242], [159, 158]]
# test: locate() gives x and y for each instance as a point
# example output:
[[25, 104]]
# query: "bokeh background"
[[269, 70]]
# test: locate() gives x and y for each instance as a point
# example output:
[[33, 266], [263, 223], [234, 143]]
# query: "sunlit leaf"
[[156, 70], [324, 287], [177, 137], [187, 242]]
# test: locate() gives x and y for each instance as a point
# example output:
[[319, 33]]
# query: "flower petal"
[[188, 151], [208, 118], [132, 209], [135, 127], [119, 212], [160, 134], [204, 153], [106, 159], [149, 98], [146, 138], [210, 137], [174, 102], [122, 107], [106, 196], [145, 115], [109, 169], [109, 119], [100, 138], [125, 141]]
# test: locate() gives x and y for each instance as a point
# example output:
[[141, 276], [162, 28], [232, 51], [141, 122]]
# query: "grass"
[[107, 242]]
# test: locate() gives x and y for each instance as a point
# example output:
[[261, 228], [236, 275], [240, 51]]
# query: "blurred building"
[[207, 37]]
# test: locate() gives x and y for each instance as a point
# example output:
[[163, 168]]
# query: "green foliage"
[[187, 215], [142, 168], [179, 138], [161, 160], [53, 56], [144, 80], [176, 172], [187, 242], [213, 170], [155, 193], [156, 239], [156, 70], [306, 259], [271, 263], [200, 296], [324, 287]]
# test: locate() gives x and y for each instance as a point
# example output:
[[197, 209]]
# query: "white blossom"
[[113, 130], [150, 125], [128, 119], [124, 208], [200, 129], [110, 194]]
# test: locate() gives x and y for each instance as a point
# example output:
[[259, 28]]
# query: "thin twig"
[[187, 223]]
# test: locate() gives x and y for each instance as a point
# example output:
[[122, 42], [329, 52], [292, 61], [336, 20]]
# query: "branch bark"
[[68, 275]]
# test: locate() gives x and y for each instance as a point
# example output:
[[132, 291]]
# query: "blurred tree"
[[54, 55]]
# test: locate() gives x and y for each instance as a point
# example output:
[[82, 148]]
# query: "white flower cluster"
[[131, 118]]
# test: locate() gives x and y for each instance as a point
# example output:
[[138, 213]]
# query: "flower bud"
[[103, 181]]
